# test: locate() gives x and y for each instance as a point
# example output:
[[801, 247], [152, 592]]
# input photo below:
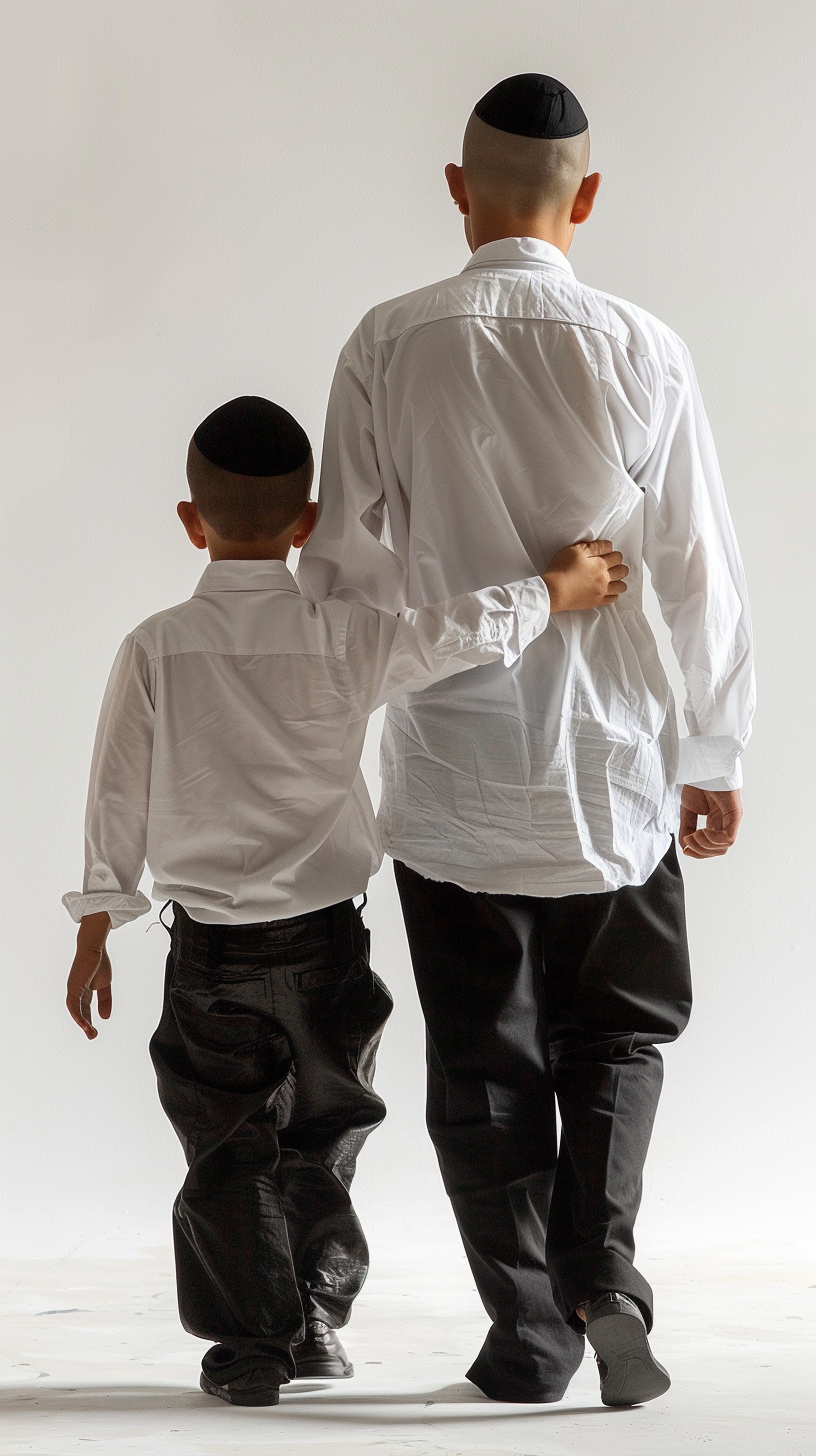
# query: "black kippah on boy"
[[252, 436], [532, 106]]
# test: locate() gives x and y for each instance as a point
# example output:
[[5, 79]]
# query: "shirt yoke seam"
[[154, 656], [510, 318]]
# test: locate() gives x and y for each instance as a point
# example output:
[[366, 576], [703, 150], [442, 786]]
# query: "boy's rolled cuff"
[[121, 908]]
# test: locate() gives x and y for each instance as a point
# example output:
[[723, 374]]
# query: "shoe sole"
[[633, 1374], [322, 1370], [268, 1396]]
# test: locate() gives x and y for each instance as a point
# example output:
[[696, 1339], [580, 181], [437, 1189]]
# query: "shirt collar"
[[243, 576], [519, 253]]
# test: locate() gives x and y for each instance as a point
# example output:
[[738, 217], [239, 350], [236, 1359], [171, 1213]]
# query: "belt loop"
[[168, 928]]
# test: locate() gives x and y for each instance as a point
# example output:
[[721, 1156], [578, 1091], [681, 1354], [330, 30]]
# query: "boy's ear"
[[305, 524], [191, 521]]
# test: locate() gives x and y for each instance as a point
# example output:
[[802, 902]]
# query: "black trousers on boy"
[[264, 1057], [532, 1004]]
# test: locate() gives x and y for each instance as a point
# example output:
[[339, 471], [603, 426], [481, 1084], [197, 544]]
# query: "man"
[[530, 810]]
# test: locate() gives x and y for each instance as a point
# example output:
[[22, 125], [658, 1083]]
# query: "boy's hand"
[[588, 574], [91, 971], [723, 812]]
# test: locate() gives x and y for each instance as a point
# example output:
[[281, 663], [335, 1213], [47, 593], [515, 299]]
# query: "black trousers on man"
[[532, 1003], [264, 1057]]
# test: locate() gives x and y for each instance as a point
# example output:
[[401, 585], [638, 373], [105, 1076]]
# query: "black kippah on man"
[[533, 106]]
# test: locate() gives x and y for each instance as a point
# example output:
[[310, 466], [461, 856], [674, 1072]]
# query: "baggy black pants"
[[264, 1057], [532, 1003]]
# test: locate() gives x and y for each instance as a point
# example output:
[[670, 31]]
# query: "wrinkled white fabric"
[[228, 749], [474, 428]]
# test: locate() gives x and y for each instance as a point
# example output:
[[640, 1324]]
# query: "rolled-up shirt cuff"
[[531, 600], [121, 908], [710, 763]]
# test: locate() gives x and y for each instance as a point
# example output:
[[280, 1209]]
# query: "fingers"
[[81, 1014], [707, 842], [617, 573], [600, 548], [615, 589], [697, 846], [688, 823], [89, 972]]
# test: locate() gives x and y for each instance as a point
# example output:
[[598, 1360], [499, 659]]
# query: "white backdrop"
[[199, 199]]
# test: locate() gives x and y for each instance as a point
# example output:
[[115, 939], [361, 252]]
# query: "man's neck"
[[490, 227]]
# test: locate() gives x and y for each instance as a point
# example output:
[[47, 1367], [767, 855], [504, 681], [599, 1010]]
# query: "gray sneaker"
[[629, 1373]]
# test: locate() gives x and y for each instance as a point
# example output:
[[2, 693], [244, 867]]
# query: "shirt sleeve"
[[691, 551], [357, 551], [118, 795], [387, 655]]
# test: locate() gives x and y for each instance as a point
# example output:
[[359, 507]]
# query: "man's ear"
[[305, 524], [585, 199], [456, 186], [191, 521]]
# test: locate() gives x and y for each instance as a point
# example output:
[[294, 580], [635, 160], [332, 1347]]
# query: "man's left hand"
[[721, 811]]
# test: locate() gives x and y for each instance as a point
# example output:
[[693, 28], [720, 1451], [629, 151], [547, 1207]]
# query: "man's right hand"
[[588, 574], [722, 812]]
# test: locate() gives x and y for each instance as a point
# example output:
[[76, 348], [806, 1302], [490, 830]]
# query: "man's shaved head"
[[523, 175]]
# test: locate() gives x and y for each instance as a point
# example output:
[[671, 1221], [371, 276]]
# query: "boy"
[[227, 757]]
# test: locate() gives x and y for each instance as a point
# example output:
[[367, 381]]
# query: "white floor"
[[91, 1353]]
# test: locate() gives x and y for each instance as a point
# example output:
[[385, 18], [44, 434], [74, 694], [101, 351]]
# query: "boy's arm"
[[116, 816], [692, 555], [389, 655]]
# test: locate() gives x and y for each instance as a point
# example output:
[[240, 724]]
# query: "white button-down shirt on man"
[[474, 428]]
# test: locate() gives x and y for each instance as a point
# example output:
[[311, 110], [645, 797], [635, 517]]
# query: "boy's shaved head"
[[524, 175], [247, 507], [250, 469]]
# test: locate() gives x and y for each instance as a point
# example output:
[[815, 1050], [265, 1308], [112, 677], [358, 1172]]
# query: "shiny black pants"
[[264, 1057], [533, 1004]]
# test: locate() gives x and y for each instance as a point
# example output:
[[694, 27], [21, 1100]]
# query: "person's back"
[[530, 811], [514, 408], [228, 758], [257, 720]]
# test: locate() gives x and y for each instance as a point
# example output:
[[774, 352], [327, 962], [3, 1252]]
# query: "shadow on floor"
[[345, 1406]]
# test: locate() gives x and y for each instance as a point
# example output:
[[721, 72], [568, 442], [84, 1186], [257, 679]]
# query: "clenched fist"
[[588, 574]]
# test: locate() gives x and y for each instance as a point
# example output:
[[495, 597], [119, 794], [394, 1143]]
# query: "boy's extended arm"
[[387, 655]]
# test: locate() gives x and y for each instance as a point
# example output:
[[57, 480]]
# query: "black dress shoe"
[[616, 1330], [320, 1354], [241, 1380], [250, 1389]]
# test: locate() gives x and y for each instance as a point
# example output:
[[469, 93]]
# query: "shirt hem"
[[488, 885]]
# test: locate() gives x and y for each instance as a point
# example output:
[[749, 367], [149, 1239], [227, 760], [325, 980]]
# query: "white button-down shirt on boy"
[[229, 743], [474, 428]]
